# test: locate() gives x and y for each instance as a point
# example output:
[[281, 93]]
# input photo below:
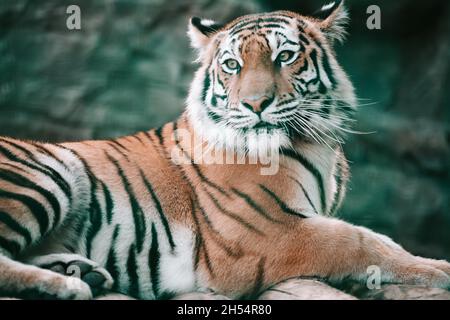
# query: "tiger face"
[[269, 79]]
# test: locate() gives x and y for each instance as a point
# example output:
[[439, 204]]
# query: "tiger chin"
[[140, 215]]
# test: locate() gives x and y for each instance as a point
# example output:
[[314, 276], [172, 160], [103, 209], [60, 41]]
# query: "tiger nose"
[[257, 105]]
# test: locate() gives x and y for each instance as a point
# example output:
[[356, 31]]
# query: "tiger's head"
[[268, 79]]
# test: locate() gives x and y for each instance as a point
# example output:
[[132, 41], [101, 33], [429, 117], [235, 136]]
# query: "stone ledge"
[[312, 289]]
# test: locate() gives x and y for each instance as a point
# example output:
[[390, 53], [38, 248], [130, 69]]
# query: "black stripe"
[[95, 214], [326, 64], [49, 153], [138, 217], [214, 116], [197, 169], [232, 215], [281, 203], [78, 225], [118, 150], [111, 262], [11, 246], [120, 145], [213, 95], [214, 100], [221, 97], [153, 262], [272, 26], [135, 137], [149, 137], [303, 67], [201, 243], [24, 182], [95, 220], [206, 85], [15, 167], [109, 203], [302, 34], [298, 88], [158, 206], [328, 70], [306, 194], [158, 145], [289, 42], [254, 205], [218, 238], [174, 130], [222, 85], [311, 168], [304, 40], [197, 247], [340, 187], [258, 283], [42, 168], [259, 26], [259, 279], [158, 133], [36, 208], [313, 56], [132, 268], [239, 27], [15, 226], [258, 20]]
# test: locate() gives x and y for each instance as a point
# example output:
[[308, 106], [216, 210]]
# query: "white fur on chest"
[[177, 267]]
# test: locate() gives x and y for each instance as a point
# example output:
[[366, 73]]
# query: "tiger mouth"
[[262, 125]]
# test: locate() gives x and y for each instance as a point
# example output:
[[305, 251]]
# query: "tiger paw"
[[442, 265], [75, 266], [98, 278], [53, 286], [422, 271], [71, 288]]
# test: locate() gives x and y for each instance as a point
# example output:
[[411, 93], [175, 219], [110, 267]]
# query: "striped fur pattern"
[[122, 215]]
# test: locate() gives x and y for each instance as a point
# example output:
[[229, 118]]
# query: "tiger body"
[[153, 243], [153, 221]]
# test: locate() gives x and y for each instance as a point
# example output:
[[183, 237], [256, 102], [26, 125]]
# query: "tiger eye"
[[232, 64], [285, 56]]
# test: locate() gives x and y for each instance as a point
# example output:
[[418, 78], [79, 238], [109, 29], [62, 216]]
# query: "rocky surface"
[[404, 292], [310, 289], [304, 289]]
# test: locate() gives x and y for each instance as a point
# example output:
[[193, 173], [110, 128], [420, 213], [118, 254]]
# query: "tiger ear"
[[333, 19], [201, 31]]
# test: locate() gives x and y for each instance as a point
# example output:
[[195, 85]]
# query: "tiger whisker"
[[318, 132], [342, 128]]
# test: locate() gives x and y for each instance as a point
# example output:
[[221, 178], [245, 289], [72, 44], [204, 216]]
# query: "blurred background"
[[130, 65]]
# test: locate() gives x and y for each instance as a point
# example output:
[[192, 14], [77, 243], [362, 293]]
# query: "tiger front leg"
[[335, 250]]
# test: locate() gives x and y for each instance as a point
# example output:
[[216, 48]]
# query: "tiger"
[[140, 215]]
